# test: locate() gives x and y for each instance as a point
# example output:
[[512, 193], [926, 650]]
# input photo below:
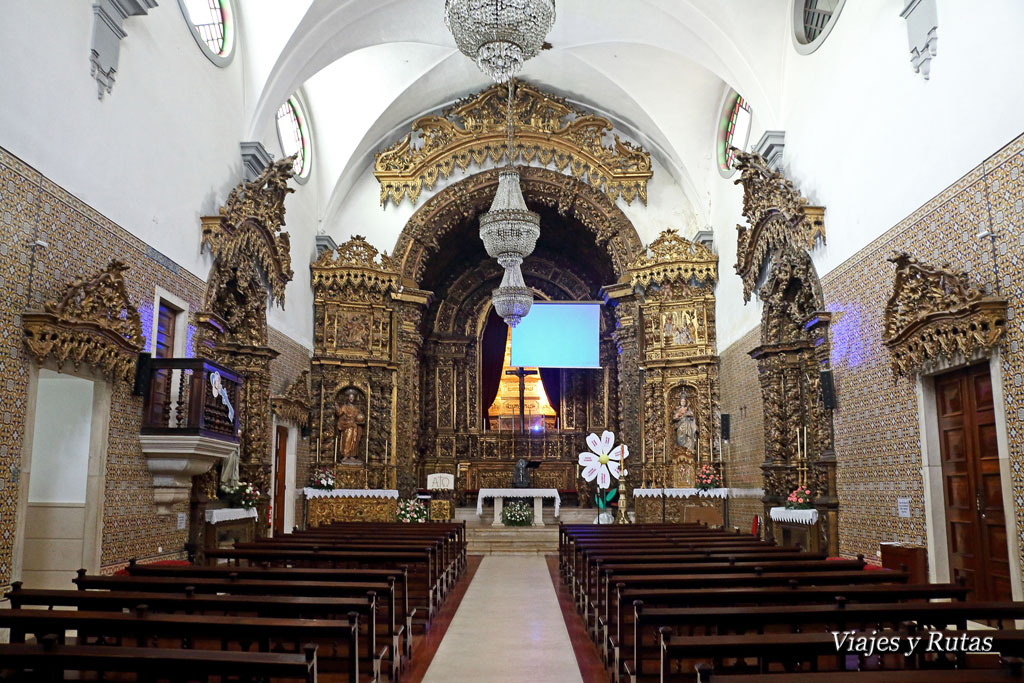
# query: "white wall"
[[155, 154], [870, 139], [60, 441]]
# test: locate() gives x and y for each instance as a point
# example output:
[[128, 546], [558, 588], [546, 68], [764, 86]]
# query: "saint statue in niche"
[[685, 424], [350, 420]]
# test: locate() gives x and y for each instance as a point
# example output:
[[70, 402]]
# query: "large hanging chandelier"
[[509, 232], [499, 35]]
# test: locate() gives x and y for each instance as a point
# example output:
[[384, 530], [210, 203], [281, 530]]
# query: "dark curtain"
[[550, 378], [492, 354]]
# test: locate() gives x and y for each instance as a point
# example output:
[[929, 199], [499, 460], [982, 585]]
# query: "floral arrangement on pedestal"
[[708, 477], [602, 463], [243, 495], [412, 511], [321, 478], [517, 513], [799, 499]]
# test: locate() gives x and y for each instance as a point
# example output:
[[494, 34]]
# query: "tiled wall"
[[744, 452], [80, 242], [877, 436]]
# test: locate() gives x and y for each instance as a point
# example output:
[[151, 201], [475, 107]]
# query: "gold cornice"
[[778, 215], [549, 131], [294, 404], [249, 226], [94, 322], [674, 258], [356, 263], [937, 312]]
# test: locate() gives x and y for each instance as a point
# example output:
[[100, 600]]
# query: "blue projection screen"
[[558, 335]]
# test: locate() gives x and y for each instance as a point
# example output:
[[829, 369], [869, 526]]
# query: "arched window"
[[812, 22], [213, 26], [733, 130], [293, 134]]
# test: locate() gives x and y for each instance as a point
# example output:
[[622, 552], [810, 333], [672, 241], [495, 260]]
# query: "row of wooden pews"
[[339, 602], [683, 602]]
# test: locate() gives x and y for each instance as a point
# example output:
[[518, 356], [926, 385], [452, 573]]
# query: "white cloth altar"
[[229, 515], [783, 514], [350, 493], [499, 496]]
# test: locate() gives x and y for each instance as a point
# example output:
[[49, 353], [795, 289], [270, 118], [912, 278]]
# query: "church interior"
[[512, 340]]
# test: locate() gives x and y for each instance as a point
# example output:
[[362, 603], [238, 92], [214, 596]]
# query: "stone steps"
[[489, 540]]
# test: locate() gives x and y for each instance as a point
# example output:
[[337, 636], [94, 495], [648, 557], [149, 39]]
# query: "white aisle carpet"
[[508, 627]]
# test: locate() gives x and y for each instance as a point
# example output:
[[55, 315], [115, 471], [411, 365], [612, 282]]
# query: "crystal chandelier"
[[499, 35], [509, 232]]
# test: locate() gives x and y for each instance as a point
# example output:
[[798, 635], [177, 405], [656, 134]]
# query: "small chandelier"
[[499, 35], [512, 299]]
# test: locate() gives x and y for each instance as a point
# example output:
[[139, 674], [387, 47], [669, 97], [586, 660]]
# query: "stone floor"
[[508, 627]]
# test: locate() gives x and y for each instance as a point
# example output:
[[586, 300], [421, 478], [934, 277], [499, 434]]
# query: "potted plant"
[[412, 511], [243, 495], [799, 499], [321, 478], [708, 478]]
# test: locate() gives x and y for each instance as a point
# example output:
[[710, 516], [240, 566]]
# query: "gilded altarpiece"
[[795, 344], [672, 285], [364, 364]]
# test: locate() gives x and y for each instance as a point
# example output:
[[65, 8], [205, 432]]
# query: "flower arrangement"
[[321, 478], [517, 513], [799, 499], [244, 495], [412, 510], [708, 478]]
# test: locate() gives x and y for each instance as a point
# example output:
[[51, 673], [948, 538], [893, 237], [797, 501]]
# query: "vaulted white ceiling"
[[659, 69]]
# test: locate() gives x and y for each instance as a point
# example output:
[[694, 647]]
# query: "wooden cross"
[[521, 374]]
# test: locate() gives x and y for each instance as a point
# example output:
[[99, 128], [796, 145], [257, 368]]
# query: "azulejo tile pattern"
[[877, 433], [80, 241]]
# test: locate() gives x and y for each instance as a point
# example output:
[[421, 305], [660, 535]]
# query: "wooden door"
[[975, 520], [280, 472]]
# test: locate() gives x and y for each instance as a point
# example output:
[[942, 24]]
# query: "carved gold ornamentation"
[[673, 258], [93, 323], [549, 131], [938, 312], [322, 511], [778, 215], [294, 404], [249, 226], [440, 510]]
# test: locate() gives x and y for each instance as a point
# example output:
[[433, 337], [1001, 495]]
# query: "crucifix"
[[521, 374]]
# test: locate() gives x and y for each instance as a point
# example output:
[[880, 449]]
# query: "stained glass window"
[[735, 130], [293, 132], [212, 24]]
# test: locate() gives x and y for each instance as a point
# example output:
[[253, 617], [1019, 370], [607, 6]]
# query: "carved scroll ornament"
[[778, 215], [673, 258], [294, 404], [937, 312], [548, 130], [93, 323], [249, 226]]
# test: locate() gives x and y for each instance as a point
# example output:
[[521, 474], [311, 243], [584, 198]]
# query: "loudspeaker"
[[142, 376], [725, 426], [828, 390]]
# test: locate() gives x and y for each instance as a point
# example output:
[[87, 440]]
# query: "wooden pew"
[[225, 633], [49, 661]]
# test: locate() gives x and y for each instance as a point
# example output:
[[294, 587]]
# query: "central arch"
[[586, 243]]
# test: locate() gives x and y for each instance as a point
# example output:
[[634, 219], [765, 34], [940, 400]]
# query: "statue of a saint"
[[686, 425], [349, 429]]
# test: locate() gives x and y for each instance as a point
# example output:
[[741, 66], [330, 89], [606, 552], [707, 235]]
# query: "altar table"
[[324, 506], [499, 496], [686, 504]]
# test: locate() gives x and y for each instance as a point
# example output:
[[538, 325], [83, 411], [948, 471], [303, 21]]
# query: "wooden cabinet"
[[915, 558]]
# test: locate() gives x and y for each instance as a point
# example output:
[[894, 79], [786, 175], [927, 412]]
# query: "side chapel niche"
[[251, 255], [795, 346]]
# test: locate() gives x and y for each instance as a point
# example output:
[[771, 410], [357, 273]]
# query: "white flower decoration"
[[604, 461]]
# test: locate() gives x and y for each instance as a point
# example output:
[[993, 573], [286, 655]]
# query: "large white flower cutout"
[[604, 461]]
